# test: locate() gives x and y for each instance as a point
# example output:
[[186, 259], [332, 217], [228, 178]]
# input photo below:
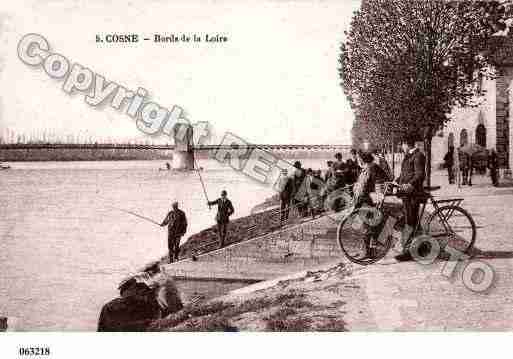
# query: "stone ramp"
[[289, 250]]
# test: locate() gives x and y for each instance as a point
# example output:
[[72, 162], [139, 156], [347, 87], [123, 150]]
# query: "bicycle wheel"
[[452, 226], [361, 225]]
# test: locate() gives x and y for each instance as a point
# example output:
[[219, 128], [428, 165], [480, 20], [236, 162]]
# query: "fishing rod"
[[201, 180], [137, 215]]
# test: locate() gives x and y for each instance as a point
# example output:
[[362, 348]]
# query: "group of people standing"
[[308, 190], [464, 163], [410, 189]]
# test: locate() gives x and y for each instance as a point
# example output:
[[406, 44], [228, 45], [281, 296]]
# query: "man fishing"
[[176, 222], [224, 211]]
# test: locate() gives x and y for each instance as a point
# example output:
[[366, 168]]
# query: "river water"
[[65, 243]]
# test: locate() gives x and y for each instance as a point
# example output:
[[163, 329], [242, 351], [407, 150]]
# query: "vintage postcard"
[[255, 166]]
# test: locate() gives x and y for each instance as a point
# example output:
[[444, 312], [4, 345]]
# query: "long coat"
[[224, 209], [286, 189], [176, 222], [413, 170]]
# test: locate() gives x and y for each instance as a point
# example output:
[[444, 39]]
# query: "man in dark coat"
[[340, 171], [370, 174], [286, 191], [224, 211], [352, 168], [142, 300], [411, 188], [176, 222], [449, 164], [339, 181], [464, 159], [493, 165], [299, 190]]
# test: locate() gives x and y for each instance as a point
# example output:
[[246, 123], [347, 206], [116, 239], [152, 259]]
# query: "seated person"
[[370, 174], [142, 300]]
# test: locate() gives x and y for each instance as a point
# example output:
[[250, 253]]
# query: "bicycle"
[[449, 224]]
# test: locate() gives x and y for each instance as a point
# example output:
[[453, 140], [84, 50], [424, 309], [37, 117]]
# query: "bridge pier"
[[183, 154]]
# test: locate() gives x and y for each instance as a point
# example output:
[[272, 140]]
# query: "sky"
[[274, 81]]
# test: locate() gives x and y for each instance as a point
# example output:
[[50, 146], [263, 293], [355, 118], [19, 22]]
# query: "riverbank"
[[306, 303], [388, 295], [240, 229]]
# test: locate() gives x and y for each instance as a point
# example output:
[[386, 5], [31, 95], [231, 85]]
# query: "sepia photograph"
[[311, 166]]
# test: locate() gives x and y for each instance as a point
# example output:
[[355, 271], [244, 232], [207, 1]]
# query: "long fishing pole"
[[201, 180], [137, 215]]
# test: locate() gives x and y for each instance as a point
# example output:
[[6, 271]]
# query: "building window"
[[463, 138], [481, 135]]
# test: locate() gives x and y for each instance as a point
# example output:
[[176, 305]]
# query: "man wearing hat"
[[286, 191], [299, 193], [411, 187], [176, 222], [134, 309], [371, 174], [340, 170], [224, 211], [142, 300]]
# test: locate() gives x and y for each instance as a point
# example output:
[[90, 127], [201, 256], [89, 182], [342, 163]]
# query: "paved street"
[[411, 296]]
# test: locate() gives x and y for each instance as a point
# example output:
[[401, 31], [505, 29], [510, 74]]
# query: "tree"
[[407, 63]]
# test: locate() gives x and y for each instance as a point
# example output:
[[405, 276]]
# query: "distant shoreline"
[[101, 152], [38, 154]]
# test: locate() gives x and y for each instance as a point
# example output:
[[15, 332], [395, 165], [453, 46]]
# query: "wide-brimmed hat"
[[366, 156], [141, 278]]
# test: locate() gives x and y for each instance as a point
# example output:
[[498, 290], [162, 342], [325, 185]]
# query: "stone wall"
[[292, 249]]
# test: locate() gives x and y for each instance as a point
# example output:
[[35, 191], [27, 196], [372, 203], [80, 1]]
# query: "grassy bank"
[[313, 302]]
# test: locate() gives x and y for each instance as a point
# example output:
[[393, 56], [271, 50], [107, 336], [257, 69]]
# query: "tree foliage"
[[406, 63]]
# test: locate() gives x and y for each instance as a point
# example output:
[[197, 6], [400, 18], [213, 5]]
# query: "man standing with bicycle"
[[411, 188]]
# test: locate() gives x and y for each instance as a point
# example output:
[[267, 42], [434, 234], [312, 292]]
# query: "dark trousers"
[[494, 176], [301, 206], [284, 210], [450, 173], [466, 176], [222, 229], [173, 244], [411, 206]]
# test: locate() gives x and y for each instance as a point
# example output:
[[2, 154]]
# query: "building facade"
[[488, 124]]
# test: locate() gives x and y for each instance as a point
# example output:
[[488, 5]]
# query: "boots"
[[405, 241]]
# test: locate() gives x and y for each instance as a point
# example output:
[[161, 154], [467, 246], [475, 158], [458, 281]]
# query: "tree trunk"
[[428, 159], [393, 158]]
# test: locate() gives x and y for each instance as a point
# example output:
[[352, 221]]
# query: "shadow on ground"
[[478, 254]]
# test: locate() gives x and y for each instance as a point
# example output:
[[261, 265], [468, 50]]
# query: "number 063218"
[[33, 351]]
